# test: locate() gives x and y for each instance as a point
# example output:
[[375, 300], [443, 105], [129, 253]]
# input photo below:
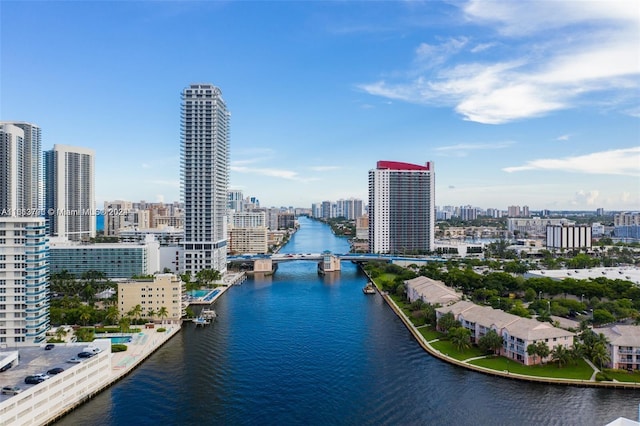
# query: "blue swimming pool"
[[198, 293], [211, 295], [120, 339]]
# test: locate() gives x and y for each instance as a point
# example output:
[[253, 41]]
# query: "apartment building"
[[163, 291]]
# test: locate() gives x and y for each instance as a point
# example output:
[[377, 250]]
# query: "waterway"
[[300, 348]]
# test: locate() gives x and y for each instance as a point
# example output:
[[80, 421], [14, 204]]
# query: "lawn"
[[623, 376], [449, 349], [429, 333], [581, 371]]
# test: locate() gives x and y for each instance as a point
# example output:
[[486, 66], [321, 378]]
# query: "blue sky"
[[516, 103]]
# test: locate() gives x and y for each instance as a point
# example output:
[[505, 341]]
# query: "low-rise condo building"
[[517, 332], [152, 295]]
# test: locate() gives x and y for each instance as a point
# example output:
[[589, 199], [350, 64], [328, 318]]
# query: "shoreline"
[[504, 374], [123, 363]]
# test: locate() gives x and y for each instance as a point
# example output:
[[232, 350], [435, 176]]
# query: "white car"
[[74, 360], [11, 390]]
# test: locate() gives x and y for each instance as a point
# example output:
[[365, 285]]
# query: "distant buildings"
[[533, 226], [204, 134], [401, 208], [248, 233], [349, 209], [21, 174], [70, 192], [568, 237], [627, 225], [115, 260]]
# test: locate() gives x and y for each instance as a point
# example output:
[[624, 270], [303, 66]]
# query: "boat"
[[369, 289], [208, 314], [201, 322]]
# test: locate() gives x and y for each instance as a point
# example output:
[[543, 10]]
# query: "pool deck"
[[142, 345]]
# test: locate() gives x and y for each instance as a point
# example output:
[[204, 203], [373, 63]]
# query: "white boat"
[[200, 321], [369, 289], [208, 314]]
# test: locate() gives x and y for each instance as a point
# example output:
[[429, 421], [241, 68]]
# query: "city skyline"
[[514, 104]]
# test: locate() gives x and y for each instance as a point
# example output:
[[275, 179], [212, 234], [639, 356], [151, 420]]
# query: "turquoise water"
[[198, 293], [120, 339], [212, 295]]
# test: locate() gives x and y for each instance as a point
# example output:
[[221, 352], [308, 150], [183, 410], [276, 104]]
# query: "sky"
[[532, 103]]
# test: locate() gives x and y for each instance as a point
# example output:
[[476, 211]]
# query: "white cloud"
[[583, 197], [324, 168], [462, 149], [553, 55], [615, 162], [430, 55], [563, 137], [275, 173]]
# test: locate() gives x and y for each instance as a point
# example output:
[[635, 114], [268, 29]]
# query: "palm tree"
[[112, 314], [136, 312], [460, 337], [124, 323], [532, 351], [600, 354], [561, 355], [84, 314], [163, 313], [151, 313]]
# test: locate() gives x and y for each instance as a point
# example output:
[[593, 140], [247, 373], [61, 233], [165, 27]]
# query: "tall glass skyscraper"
[[401, 208], [20, 177], [204, 151], [24, 246]]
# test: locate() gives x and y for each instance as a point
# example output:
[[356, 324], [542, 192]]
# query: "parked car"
[[54, 371], [33, 380], [11, 390], [74, 360], [49, 346], [85, 354], [6, 367]]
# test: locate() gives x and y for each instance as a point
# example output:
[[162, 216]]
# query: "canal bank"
[[297, 348]]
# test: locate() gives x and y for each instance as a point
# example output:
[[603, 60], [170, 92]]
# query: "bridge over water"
[[327, 261]]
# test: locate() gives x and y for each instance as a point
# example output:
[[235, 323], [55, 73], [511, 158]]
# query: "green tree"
[[460, 337], [561, 355], [491, 342], [112, 314], [135, 312], [602, 316], [84, 314], [447, 322], [206, 277], [163, 313], [600, 354], [124, 324]]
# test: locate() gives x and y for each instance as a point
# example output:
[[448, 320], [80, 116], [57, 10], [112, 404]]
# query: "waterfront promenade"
[[426, 345]]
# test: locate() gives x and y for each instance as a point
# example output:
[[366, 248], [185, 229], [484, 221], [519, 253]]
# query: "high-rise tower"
[[204, 134], [401, 208], [20, 177], [24, 249], [70, 192]]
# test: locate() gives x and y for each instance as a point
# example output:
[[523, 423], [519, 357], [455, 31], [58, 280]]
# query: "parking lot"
[[36, 360]]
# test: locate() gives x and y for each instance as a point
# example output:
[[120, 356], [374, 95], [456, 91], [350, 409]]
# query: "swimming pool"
[[198, 293], [120, 339], [211, 295]]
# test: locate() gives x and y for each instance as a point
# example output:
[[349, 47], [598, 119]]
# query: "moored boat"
[[369, 289]]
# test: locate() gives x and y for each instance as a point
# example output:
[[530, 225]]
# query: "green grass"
[[623, 376], [581, 371], [429, 333], [449, 349]]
